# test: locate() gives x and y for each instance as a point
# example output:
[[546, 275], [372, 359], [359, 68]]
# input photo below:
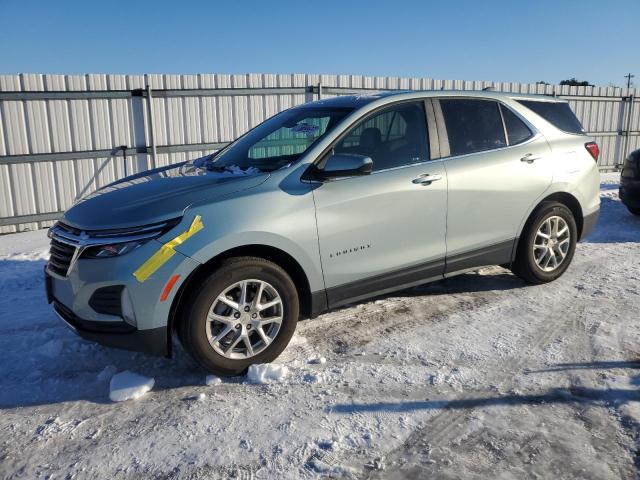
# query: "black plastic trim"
[[497, 254], [385, 283], [107, 300], [588, 223], [319, 303], [115, 334]]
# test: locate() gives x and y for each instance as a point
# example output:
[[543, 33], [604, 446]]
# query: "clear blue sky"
[[514, 40]]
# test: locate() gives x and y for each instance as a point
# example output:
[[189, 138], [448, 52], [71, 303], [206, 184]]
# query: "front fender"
[[269, 217]]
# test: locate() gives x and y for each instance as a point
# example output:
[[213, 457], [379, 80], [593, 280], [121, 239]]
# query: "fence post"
[[139, 138], [625, 151], [152, 135]]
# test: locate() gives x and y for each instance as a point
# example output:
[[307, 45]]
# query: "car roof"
[[357, 101]]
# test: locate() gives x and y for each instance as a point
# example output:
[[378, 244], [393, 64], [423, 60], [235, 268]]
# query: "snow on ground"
[[267, 373], [129, 386], [478, 376]]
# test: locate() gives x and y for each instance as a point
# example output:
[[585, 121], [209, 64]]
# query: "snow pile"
[[317, 360], [212, 380], [128, 385], [267, 373]]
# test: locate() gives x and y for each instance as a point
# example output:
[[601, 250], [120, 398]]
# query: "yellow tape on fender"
[[167, 251]]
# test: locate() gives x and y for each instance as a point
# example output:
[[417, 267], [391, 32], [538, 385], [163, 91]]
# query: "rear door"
[[497, 167], [385, 230]]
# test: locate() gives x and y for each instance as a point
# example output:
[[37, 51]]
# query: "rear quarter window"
[[517, 131], [559, 114]]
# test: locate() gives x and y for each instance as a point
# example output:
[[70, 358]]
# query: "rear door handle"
[[426, 179], [530, 158]]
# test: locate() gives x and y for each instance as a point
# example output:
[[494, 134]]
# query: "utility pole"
[[628, 76]]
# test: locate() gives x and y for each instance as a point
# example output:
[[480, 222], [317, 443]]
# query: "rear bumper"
[[589, 222], [115, 334]]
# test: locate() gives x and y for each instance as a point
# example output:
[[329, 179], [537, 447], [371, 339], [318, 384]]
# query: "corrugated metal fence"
[[63, 136]]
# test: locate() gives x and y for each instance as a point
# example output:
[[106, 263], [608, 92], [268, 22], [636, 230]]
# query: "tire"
[[198, 334], [536, 268], [634, 210]]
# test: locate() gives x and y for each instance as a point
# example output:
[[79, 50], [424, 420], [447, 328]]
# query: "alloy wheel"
[[244, 319], [551, 243]]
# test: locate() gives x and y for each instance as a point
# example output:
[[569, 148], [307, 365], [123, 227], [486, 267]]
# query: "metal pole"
[[320, 90], [124, 158], [628, 76], [151, 128], [627, 128]]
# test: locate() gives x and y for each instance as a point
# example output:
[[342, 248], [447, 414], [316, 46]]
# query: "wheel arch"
[[308, 305], [571, 203], [565, 198]]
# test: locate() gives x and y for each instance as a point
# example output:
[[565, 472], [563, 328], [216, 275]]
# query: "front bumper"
[[71, 297], [116, 334]]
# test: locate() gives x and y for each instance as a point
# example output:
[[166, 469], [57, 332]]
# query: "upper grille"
[[60, 257]]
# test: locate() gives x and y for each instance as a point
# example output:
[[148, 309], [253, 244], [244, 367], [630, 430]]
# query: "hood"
[[156, 195]]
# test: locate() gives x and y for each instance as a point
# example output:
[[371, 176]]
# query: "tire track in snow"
[[445, 426]]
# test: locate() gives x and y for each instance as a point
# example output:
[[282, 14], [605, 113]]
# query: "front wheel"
[[244, 313], [547, 245]]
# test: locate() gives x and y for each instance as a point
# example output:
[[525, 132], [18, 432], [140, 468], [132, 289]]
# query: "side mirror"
[[345, 165]]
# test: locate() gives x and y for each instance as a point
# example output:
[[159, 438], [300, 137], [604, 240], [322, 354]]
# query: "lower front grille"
[[88, 325], [60, 256], [106, 300]]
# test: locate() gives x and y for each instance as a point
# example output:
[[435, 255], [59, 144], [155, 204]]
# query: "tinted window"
[[559, 114], [394, 137], [517, 131], [472, 125]]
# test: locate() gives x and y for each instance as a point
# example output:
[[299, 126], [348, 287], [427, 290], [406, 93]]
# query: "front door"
[[386, 230]]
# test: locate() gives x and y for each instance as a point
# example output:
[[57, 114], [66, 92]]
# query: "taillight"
[[593, 149]]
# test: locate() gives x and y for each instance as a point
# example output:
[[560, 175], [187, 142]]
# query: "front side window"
[[394, 137], [280, 140], [472, 125]]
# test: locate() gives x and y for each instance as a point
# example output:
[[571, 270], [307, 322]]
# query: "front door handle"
[[426, 179], [530, 158]]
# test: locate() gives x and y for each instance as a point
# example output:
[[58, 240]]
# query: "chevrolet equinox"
[[323, 205]]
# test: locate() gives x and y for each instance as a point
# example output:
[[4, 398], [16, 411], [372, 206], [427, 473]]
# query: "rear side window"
[[517, 131], [472, 125], [559, 114]]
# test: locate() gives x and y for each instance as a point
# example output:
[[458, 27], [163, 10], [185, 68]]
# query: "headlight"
[[114, 249]]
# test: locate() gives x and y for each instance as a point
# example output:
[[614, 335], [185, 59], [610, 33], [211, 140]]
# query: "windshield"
[[279, 141]]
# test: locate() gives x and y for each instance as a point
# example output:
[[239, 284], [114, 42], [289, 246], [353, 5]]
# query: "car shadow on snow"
[[46, 363], [571, 395]]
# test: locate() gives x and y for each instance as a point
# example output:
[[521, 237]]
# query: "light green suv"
[[323, 205]]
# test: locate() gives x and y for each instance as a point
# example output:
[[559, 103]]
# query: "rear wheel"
[[547, 245], [245, 312]]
